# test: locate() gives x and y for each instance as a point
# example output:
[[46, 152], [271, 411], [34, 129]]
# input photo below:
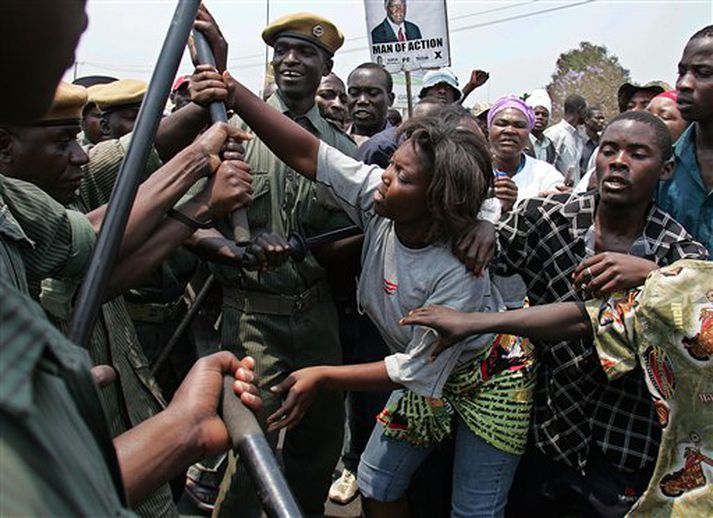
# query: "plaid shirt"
[[544, 240]]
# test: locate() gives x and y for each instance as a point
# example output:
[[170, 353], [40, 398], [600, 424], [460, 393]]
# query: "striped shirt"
[[47, 445], [135, 396]]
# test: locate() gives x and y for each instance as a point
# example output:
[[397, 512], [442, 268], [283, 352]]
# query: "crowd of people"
[[522, 321]]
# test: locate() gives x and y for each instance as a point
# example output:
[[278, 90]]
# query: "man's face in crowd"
[[442, 91], [331, 100], [396, 11], [369, 100], [695, 80], [180, 97], [639, 101], [49, 157], [542, 118], [91, 124], [595, 121], [60, 22], [119, 122], [629, 163], [666, 110], [299, 67], [509, 133]]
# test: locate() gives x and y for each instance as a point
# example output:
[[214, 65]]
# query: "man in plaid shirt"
[[595, 442]]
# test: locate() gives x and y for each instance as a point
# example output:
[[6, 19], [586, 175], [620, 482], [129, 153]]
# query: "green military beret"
[[119, 94], [69, 100], [306, 26]]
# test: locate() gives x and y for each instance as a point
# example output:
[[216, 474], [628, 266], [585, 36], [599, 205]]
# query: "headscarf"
[[669, 94], [539, 97], [511, 101]]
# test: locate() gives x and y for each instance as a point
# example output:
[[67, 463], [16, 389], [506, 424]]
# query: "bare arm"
[[177, 130], [303, 385], [550, 322], [291, 143], [229, 188], [165, 187]]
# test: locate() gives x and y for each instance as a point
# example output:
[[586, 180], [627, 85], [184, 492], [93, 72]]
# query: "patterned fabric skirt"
[[491, 393]]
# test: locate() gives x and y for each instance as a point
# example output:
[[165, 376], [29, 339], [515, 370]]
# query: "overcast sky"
[[507, 38]]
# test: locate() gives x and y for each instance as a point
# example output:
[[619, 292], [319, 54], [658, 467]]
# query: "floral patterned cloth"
[[492, 394], [667, 326]]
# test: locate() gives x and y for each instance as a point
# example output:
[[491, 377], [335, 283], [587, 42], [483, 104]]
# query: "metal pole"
[[130, 174], [247, 438], [183, 324], [245, 432], [409, 100], [239, 218]]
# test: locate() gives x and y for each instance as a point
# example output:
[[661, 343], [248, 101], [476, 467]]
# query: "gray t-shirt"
[[396, 279]]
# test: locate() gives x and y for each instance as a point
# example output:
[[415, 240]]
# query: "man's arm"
[[291, 143], [551, 322], [188, 430], [164, 188], [228, 189], [477, 78]]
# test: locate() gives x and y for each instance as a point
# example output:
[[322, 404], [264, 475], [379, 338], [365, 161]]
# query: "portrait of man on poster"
[[395, 28]]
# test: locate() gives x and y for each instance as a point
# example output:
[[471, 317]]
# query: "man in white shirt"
[[566, 139]]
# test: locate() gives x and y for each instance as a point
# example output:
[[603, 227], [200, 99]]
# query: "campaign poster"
[[408, 34]]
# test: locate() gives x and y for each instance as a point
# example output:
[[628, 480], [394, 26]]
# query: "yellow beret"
[[306, 26], [120, 93], [69, 100]]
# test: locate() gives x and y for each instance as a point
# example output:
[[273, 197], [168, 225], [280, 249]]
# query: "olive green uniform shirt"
[[135, 396], [51, 461], [51, 421], [283, 202], [260, 318]]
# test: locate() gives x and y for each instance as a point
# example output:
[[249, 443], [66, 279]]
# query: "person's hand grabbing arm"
[[608, 272], [477, 247]]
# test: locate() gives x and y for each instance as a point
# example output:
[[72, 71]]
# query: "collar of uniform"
[[313, 116], [9, 226]]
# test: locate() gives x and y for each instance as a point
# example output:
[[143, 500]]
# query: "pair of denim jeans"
[[482, 474]]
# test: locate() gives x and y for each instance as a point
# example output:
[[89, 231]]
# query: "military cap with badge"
[[308, 27]]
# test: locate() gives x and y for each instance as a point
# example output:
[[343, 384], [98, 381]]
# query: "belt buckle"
[[305, 300]]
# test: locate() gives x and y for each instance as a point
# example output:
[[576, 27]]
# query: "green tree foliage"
[[590, 71]]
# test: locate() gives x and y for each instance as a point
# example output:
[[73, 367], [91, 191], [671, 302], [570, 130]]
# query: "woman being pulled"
[[412, 213]]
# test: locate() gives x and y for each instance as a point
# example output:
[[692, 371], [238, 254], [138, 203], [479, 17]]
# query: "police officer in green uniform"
[[286, 318], [45, 152], [57, 457]]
